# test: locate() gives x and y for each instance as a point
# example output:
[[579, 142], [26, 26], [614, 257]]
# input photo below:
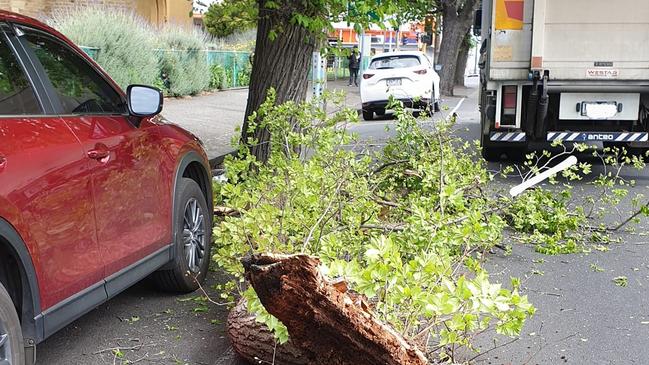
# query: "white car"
[[407, 76]]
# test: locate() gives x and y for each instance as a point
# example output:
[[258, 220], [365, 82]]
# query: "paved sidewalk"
[[214, 118]]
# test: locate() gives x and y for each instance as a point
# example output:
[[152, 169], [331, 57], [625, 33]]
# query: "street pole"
[[475, 64]]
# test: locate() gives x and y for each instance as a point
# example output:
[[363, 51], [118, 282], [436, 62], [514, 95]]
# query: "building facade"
[[157, 12]]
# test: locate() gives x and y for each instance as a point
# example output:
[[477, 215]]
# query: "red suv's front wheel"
[[11, 337]]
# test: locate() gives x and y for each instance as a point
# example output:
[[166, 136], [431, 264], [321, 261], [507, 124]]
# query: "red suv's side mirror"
[[144, 101]]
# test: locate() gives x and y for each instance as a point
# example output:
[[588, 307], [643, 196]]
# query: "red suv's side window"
[[16, 93], [79, 87]]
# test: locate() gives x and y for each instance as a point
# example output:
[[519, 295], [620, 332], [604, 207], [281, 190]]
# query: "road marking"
[[459, 104]]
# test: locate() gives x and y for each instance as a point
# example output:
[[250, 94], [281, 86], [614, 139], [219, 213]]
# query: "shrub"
[[125, 41], [182, 59], [218, 77], [244, 75]]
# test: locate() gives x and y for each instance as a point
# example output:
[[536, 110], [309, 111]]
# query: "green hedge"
[[124, 40], [174, 59], [182, 61]]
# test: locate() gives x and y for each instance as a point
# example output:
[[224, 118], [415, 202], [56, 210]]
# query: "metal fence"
[[236, 65], [93, 52], [337, 68]]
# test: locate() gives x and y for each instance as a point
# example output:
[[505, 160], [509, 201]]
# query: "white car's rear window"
[[390, 62]]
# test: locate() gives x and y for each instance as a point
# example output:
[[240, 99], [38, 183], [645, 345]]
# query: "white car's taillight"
[[367, 76], [421, 72]]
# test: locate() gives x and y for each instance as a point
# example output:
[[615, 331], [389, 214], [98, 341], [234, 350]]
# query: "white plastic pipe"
[[565, 164]]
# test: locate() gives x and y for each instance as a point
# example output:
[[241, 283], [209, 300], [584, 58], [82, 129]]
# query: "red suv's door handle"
[[99, 152], [3, 162]]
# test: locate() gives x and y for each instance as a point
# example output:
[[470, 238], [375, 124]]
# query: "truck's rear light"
[[509, 99], [421, 72], [367, 76]]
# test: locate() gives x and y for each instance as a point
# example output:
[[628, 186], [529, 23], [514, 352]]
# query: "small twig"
[[386, 165], [140, 359], [226, 211], [629, 219], [493, 348], [384, 227], [117, 348], [322, 216], [207, 296], [546, 293]]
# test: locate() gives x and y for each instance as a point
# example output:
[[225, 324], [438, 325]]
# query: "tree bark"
[[462, 59], [457, 21], [254, 342], [281, 63], [329, 325], [438, 38]]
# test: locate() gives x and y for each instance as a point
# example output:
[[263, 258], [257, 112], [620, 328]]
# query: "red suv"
[[97, 190]]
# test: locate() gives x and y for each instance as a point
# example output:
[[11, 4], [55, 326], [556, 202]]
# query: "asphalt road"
[[145, 326], [582, 316]]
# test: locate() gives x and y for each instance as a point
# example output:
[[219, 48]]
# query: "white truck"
[[569, 70]]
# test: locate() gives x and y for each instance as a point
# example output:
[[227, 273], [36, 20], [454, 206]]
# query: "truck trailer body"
[[568, 70]]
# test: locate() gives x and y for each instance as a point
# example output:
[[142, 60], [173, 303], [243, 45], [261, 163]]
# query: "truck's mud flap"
[[598, 136]]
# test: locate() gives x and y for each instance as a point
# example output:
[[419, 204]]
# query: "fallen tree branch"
[[330, 326], [256, 343]]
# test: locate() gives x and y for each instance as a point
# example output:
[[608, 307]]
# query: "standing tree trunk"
[[281, 62], [457, 17], [462, 59]]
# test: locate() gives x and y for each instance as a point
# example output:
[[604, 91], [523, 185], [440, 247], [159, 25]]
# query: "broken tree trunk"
[[256, 343], [327, 324]]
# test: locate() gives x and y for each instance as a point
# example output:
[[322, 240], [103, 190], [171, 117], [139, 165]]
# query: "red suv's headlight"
[[367, 76]]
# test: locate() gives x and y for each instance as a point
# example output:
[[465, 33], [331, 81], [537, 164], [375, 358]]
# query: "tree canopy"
[[230, 16]]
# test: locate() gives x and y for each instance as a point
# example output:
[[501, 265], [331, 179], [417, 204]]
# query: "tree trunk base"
[[328, 325], [255, 343]]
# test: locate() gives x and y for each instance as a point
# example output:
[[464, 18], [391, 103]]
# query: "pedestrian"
[[354, 65]]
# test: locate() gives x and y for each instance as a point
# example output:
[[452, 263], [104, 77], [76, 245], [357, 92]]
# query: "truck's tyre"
[[516, 154], [368, 115], [11, 335], [492, 154], [192, 240], [641, 152], [380, 112]]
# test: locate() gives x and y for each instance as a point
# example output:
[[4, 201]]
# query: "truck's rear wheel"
[[492, 154]]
